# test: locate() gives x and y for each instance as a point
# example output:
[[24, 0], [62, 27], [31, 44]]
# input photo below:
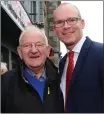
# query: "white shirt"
[[76, 51]]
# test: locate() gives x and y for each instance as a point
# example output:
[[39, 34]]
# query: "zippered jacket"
[[18, 96]]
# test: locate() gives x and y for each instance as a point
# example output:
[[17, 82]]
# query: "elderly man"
[[82, 68], [35, 86]]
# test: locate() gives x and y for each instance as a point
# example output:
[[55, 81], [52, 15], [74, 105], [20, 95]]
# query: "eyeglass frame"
[[37, 45], [75, 19]]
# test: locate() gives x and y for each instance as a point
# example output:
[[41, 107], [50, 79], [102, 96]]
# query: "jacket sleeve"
[[60, 96], [4, 88], [102, 74], [102, 71]]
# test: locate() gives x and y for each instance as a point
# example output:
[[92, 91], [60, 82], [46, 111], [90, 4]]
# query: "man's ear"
[[83, 24], [19, 52]]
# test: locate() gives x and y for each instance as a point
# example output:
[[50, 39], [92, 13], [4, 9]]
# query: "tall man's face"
[[68, 25]]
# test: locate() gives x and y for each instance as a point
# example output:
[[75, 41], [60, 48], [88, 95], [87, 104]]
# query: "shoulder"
[[49, 64], [98, 48], [8, 76], [94, 47], [97, 45], [10, 73], [92, 44]]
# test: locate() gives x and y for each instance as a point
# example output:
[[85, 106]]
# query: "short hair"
[[35, 28], [79, 14]]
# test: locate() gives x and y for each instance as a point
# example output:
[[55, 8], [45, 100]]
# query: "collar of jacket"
[[51, 71]]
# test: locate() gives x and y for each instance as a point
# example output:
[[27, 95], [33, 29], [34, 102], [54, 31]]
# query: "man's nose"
[[33, 48], [66, 25]]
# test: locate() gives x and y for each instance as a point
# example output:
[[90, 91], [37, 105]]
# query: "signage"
[[17, 11]]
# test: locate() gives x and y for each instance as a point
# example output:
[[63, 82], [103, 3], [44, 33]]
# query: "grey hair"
[[35, 28]]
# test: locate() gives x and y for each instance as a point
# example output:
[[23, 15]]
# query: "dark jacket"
[[17, 96], [86, 93]]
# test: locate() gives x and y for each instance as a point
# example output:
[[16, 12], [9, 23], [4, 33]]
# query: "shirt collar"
[[79, 45], [34, 75]]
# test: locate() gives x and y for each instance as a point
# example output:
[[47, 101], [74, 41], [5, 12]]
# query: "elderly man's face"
[[33, 50], [68, 25]]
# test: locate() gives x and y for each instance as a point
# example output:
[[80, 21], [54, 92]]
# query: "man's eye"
[[39, 45], [26, 45], [59, 22], [71, 20]]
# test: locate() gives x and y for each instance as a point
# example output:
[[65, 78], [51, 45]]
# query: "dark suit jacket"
[[86, 89]]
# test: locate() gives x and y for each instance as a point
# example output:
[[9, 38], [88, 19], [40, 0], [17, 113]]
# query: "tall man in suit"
[[85, 90]]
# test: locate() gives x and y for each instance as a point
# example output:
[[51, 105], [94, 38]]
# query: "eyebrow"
[[67, 19]]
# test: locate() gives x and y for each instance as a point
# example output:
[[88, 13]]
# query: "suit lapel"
[[62, 65], [80, 61]]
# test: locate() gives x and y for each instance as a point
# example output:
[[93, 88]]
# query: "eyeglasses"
[[70, 21], [37, 45]]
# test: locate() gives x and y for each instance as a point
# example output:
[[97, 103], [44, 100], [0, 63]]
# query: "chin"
[[70, 43], [34, 67]]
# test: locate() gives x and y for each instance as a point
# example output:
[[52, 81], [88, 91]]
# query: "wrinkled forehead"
[[32, 36], [64, 11]]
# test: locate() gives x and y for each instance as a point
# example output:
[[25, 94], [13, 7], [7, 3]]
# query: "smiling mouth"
[[35, 57], [68, 33]]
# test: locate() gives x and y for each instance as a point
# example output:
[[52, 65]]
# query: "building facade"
[[13, 21], [40, 13], [15, 16], [49, 6]]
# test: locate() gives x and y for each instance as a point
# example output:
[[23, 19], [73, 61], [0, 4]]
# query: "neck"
[[38, 71], [70, 47]]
